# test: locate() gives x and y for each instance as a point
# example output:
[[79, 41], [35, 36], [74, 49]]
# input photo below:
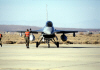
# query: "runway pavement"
[[66, 57]]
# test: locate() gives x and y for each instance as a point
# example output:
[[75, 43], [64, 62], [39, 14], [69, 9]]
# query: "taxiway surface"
[[66, 57]]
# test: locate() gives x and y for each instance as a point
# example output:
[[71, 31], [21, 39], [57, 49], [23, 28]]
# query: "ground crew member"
[[27, 33], [0, 39]]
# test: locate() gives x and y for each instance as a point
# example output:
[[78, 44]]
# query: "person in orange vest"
[[0, 39], [27, 34]]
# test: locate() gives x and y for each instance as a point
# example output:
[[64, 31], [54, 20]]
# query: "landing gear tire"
[[37, 44], [57, 44], [48, 45]]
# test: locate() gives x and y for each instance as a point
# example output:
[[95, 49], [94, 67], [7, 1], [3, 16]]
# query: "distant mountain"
[[22, 22], [4, 28], [83, 24], [16, 27]]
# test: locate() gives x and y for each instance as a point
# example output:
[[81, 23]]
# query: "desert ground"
[[81, 38], [66, 57], [80, 53]]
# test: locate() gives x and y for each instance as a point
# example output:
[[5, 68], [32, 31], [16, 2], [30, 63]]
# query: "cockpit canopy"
[[49, 24]]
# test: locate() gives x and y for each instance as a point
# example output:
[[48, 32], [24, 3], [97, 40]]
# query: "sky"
[[63, 13]]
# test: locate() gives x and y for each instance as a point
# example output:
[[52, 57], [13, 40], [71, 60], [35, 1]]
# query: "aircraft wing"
[[25, 31], [63, 31], [67, 31], [35, 31]]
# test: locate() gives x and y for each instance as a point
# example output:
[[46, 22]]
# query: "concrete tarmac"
[[66, 57]]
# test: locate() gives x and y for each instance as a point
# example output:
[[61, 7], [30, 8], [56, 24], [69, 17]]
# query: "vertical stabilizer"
[[46, 13]]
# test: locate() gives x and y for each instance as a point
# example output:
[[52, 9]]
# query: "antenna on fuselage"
[[46, 13]]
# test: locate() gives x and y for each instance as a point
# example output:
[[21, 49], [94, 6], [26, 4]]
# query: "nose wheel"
[[48, 45], [37, 44]]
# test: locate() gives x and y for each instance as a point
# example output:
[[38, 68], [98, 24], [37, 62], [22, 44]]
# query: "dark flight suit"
[[0, 40], [27, 38]]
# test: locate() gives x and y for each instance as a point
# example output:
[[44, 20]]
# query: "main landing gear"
[[48, 42]]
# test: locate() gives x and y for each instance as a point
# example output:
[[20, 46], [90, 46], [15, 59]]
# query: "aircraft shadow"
[[70, 47], [79, 47]]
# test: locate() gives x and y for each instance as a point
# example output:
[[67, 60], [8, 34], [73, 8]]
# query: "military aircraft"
[[48, 34]]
